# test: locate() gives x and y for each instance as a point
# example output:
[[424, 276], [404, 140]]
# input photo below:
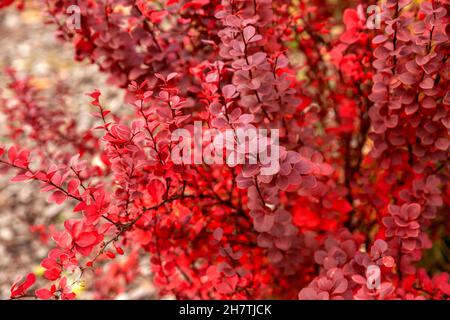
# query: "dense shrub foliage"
[[359, 191]]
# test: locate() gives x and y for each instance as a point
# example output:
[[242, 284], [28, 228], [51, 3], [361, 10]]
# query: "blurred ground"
[[29, 46]]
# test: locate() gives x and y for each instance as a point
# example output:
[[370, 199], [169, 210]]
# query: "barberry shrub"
[[358, 194]]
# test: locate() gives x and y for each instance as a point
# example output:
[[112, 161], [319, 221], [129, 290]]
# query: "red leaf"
[[58, 197], [157, 16], [43, 294], [217, 234], [12, 154], [86, 239], [171, 76], [20, 177], [72, 186], [249, 33], [18, 290]]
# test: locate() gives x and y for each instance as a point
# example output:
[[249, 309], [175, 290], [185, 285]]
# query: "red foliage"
[[363, 159]]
